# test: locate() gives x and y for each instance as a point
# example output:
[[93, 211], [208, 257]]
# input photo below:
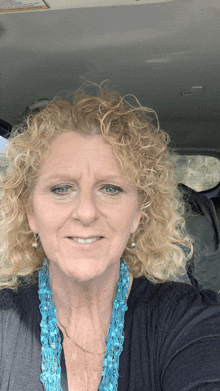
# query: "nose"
[[85, 209]]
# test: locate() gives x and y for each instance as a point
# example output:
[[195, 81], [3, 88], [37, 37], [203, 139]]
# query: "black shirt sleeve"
[[190, 342]]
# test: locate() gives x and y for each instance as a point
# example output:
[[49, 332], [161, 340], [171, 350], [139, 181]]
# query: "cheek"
[[42, 215], [127, 217]]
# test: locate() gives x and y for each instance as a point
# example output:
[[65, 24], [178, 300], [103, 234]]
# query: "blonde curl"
[[162, 245]]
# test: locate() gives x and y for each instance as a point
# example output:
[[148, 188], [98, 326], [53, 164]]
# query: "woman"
[[91, 233]]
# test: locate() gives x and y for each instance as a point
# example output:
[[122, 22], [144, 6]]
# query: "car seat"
[[216, 202], [203, 226]]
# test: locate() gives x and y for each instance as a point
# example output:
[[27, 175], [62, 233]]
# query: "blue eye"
[[112, 190], [61, 189]]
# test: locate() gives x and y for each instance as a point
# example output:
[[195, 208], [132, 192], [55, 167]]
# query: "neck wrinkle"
[[82, 310]]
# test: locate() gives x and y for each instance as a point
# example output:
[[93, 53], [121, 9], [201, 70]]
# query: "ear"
[[32, 221], [136, 221]]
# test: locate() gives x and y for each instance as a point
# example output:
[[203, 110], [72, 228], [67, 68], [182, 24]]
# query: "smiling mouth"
[[89, 240]]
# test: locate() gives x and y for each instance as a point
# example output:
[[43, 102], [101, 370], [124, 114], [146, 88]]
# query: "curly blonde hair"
[[162, 245]]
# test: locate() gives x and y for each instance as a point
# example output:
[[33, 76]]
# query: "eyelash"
[[56, 189], [119, 190]]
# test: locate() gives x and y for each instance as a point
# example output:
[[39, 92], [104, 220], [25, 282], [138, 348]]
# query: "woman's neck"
[[84, 308]]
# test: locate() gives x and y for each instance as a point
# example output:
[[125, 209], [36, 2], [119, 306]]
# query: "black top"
[[172, 339]]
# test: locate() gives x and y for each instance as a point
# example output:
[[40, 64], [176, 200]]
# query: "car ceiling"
[[158, 51]]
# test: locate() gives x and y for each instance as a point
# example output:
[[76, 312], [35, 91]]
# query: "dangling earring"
[[35, 244], [133, 244]]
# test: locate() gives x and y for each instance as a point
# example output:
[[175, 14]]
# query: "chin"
[[83, 270]]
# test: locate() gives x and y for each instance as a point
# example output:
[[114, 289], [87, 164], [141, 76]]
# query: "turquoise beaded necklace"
[[51, 341]]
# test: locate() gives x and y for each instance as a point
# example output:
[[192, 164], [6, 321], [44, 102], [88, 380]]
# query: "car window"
[[3, 163], [196, 171]]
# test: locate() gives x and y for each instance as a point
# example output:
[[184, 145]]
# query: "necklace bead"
[[51, 341]]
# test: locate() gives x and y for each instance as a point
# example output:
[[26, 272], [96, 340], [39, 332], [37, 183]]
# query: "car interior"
[[165, 52]]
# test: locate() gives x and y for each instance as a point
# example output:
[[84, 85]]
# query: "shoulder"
[[178, 326], [8, 299], [19, 317], [175, 293], [173, 316], [171, 302], [20, 300]]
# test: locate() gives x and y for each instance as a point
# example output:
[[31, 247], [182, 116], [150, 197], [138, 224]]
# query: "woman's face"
[[82, 208]]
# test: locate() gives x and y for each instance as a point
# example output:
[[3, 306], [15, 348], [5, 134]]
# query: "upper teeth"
[[90, 240]]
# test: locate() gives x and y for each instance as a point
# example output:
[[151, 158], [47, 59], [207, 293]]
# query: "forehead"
[[72, 151]]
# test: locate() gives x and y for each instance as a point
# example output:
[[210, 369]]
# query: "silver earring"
[[133, 244], [35, 244]]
